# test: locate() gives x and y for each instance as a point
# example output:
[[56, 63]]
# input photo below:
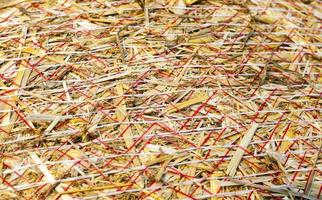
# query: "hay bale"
[[164, 99]]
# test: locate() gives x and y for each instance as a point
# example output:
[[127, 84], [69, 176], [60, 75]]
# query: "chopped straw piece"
[[238, 155]]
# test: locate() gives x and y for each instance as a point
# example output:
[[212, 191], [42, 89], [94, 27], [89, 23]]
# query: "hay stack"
[[164, 99]]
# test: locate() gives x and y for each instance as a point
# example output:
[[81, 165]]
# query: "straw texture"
[[162, 99]]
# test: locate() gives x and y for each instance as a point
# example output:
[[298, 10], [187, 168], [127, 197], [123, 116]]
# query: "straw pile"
[[163, 99]]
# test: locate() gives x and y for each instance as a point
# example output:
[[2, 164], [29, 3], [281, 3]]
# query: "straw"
[[160, 99]]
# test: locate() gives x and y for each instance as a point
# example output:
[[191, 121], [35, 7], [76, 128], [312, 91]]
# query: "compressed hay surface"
[[163, 99]]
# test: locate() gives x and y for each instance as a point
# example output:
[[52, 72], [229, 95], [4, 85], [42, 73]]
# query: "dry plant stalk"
[[238, 155]]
